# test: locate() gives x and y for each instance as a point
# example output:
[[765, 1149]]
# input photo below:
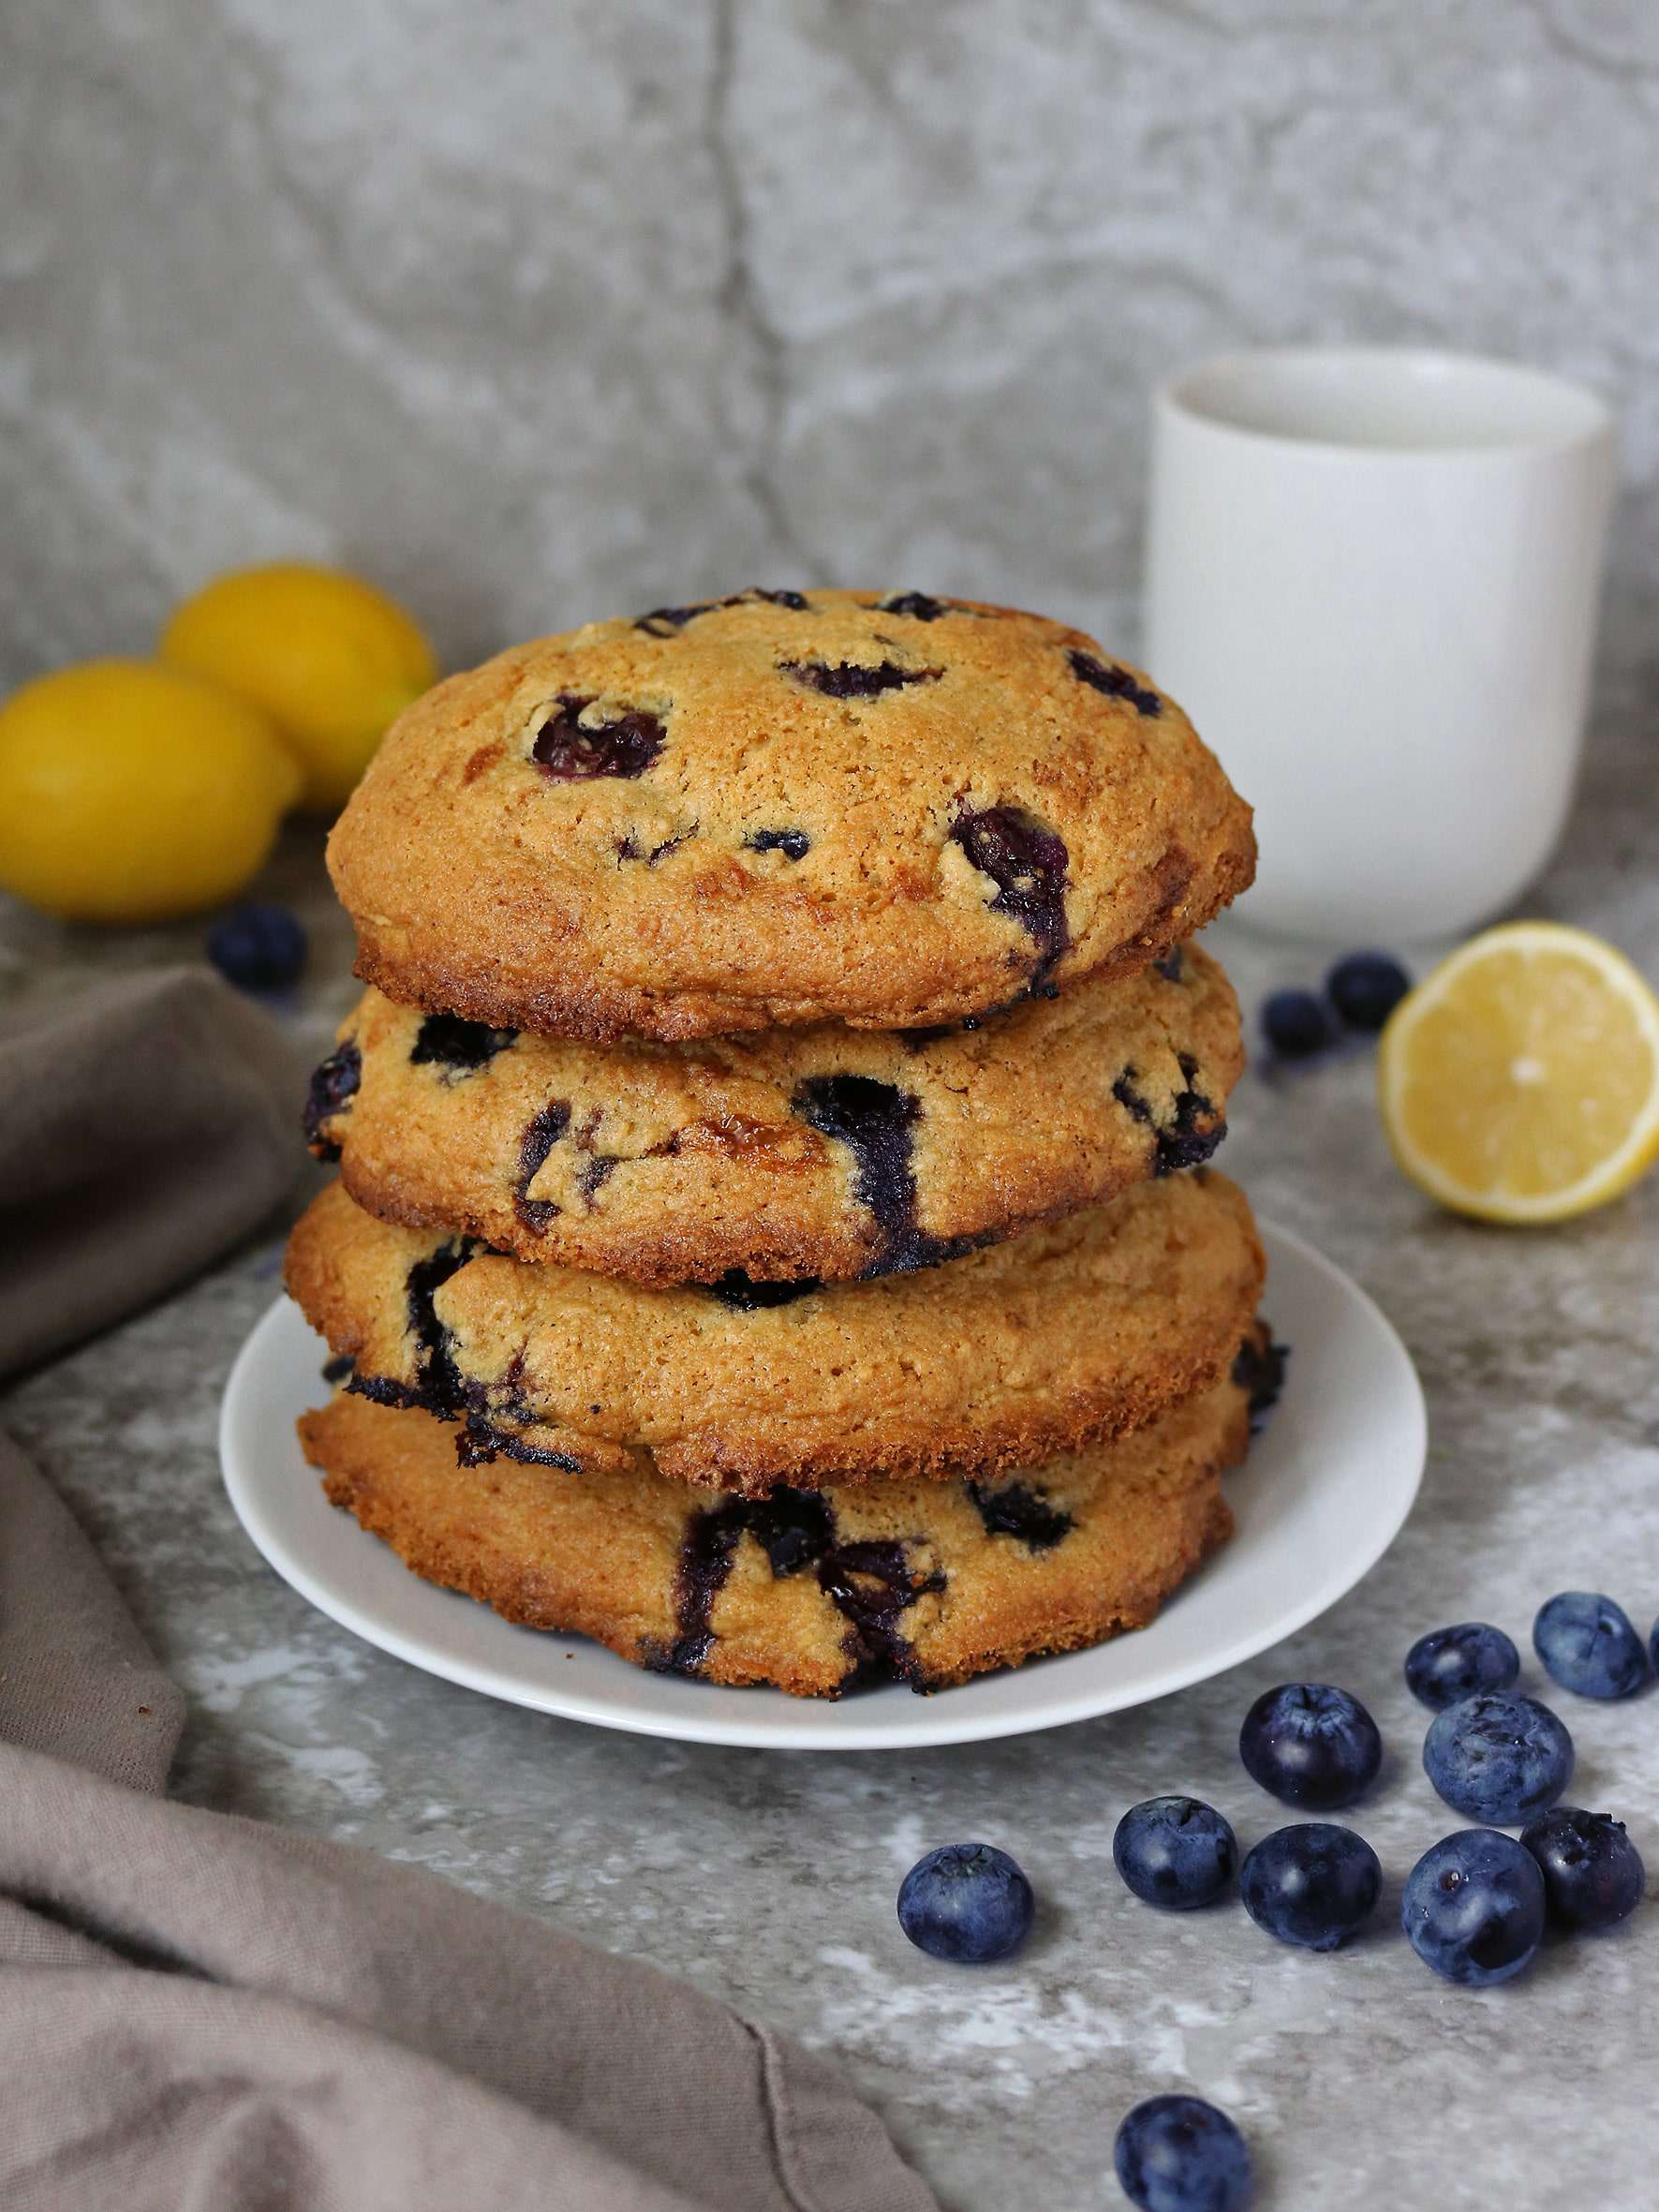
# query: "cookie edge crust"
[[753, 1464], [1198, 1521], [1024, 1438], [564, 1002]]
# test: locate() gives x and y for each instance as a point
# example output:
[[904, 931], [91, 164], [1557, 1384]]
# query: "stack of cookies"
[[772, 1235]]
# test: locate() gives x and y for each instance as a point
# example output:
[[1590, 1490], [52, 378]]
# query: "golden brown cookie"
[[827, 1152], [811, 1590], [781, 808], [1073, 1333]]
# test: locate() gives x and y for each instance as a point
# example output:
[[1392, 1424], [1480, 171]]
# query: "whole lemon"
[[331, 660], [132, 792]]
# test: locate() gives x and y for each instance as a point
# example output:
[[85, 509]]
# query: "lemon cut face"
[[1519, 1082]]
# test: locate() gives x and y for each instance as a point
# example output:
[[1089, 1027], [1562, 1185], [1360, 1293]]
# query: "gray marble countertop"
[[769, 1880]]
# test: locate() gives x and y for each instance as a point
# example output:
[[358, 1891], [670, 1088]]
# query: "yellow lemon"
[[1519, 1082], [331, 660], [131, 793]]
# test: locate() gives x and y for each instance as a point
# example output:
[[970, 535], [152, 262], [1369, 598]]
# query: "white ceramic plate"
[[1324, 1493]]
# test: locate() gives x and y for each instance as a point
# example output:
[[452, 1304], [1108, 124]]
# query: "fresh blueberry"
[[1654, 1647], [1175, 1851], [1311, 1745], [1585, 1643], [968, 1902], [1364, 988], [1474, 1906], [1296, 1025], [1593, 1873], [257, 947], [1448, 1665], [1178, 2154], [1312, 1884], [1498, 1758]]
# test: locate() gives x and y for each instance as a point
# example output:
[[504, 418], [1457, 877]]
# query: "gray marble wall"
[[543, 309]]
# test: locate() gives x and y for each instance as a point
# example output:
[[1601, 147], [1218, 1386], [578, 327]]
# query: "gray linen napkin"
[[199, 2013], [144, 1126]]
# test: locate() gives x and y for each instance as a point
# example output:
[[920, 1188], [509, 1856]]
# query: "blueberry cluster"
[[1475, 1906], [1360, 993]]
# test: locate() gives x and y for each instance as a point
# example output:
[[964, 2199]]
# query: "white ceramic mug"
[[1372, 580]]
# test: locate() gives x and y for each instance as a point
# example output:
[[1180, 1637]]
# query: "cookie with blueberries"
[[1062, 1337], [827, 1152], [813, 1591], [783, 808]]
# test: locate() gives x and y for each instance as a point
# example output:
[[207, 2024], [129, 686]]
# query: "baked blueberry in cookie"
[[1259, 1371], [1016, 1509], [1193, 1128], [334, 1085], [874, 1584], [629, 848], [542, 1133], [1027, 862], [874, 1121], [916, 605], [704, 1562], [436, 1382], [744, 1294], [1115, 683], [570, 750], [848, 680], [870, 1582], [794, 844], [665, 621], [462, 1047], [594, 1173]]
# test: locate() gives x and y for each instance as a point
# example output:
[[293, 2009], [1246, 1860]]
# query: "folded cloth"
[[198, 2011], [144, 1126]]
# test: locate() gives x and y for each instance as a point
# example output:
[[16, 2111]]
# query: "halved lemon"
[[1519, 1082]]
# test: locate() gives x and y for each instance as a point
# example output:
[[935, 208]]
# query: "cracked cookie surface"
[[1068, 1334], [780, 809], [925, 1582], [827, 1152]]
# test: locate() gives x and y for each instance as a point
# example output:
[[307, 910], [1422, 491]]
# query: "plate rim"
[[813, 1730]]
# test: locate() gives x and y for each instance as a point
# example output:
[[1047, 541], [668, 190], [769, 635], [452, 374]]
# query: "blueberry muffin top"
[[826, 1150], [1071, 1332], [817, 1592], [783, 808]]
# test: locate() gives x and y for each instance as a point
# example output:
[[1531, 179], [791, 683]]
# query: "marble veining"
[[567, 310], [540, 314]]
